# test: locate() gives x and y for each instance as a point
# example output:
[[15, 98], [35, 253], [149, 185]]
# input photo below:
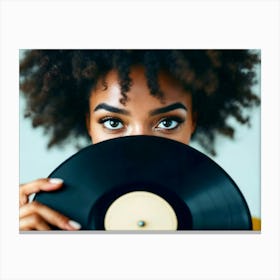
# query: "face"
[[142, 114]]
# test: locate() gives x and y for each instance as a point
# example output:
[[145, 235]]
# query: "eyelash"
[[174, 118], [104, 120]]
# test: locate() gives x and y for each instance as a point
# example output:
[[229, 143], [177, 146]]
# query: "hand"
[[36, 216]]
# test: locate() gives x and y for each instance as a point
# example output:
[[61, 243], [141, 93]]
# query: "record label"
[[140, 211]]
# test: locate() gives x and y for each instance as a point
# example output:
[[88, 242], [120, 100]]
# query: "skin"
[[142, 114]]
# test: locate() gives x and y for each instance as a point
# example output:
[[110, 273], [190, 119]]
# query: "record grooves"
[[175, 176]]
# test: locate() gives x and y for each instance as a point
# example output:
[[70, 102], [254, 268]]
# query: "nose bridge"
[[140, 129]]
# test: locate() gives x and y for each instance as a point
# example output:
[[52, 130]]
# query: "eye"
[[169, 123], [112, 123]]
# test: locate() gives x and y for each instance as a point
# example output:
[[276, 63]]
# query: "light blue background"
[[239, 158]]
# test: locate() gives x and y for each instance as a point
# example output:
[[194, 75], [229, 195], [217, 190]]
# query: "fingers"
[[38, 216], [44, 184], [33, 222]]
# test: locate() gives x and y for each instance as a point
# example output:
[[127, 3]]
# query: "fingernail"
[[74, 224], [55, 181]]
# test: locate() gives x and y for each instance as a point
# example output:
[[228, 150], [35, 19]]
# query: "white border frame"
[[95, 24]]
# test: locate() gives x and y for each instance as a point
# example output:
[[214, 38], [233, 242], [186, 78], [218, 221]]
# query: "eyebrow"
[[112, 109], [154, 112], [168, 108]]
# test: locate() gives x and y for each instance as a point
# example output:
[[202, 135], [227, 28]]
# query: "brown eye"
[[112, 123], [169, 123]]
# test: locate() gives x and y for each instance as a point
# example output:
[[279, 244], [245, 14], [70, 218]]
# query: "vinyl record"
[[147, 183]]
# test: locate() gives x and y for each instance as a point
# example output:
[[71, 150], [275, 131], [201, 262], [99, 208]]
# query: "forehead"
[[171, 88]]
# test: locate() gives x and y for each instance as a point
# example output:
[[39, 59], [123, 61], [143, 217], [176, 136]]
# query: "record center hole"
[[141, 223]]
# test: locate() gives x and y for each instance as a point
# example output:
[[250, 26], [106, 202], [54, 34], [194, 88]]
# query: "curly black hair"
[[57, 83]]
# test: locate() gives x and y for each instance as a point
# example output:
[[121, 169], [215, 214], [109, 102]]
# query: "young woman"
[[104, 94]]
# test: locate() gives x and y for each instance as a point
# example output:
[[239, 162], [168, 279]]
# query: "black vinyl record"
[[183, 181]]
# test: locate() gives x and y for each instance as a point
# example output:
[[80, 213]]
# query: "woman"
[[104, 94]]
